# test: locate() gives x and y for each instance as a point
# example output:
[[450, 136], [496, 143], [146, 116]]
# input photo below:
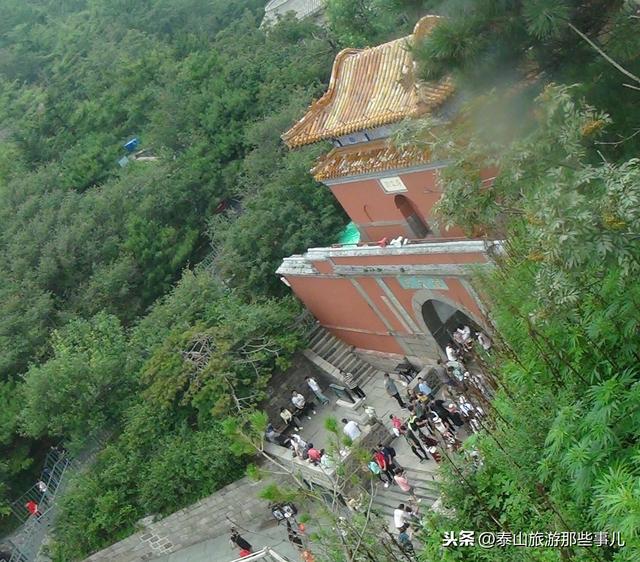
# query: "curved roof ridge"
[[369, 88]]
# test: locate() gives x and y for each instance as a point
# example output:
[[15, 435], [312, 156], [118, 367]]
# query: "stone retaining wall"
[[201, 521]]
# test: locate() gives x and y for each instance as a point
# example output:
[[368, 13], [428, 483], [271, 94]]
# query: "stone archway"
[[438, 327], [442, 319]]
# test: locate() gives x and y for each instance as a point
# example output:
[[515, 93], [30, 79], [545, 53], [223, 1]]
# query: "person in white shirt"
[[315, 387], [298, 444], [450, 350], [465, 333], [484, 341], [464, 337], [400, 517], [351, 429], [326, 461], [299, 402]]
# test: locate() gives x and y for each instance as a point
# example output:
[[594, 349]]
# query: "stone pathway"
[[200, 532], [208, 520]]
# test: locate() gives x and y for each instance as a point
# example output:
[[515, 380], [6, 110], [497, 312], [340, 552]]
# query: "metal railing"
[[35, 507], [385, 242]]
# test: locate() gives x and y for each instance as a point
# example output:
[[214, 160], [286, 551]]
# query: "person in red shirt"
[[32, 508], [397, 425], [314, 454], [381, 461]]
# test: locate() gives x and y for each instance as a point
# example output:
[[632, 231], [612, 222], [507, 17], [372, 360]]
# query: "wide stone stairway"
[[330, 354], [422, 477]]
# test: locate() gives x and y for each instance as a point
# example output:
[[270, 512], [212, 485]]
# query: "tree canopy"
[[92, 245]]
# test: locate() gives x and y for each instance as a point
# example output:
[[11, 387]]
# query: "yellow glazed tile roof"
[[370, 88], [376, 156]]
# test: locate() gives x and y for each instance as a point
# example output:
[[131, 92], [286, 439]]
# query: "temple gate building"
[[388, 298]]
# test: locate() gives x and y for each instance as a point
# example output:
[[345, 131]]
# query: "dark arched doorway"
[[417, 227], [442, 320]]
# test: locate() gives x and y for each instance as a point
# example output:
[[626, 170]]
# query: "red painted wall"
[[368, 205], [375, 293], [341, 308], [335, 302], [384, 344]]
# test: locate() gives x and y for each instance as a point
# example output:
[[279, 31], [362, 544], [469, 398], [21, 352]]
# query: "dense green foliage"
[[105, 331], [171, 450], [562, 451], [88, 247]]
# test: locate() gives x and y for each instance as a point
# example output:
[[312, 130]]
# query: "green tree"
[[84, 386], [558, 455]]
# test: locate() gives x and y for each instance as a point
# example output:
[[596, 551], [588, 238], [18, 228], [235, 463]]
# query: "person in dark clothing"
[[438, 407], [293, 537], [237, 539], [390, 455], [416, 446], [454, 414]]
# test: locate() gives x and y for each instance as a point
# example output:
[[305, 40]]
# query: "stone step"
[[324, 348], [351, 364], [336, 357], [317, 337], [341, 357], [394, 495], [427, 470], [386, 502], [367, 374]]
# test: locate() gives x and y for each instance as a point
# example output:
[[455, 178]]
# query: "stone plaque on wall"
[[393, 184], [422, 282]]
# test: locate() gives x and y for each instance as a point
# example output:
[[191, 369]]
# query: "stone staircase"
[[422, 478], [330, 354]]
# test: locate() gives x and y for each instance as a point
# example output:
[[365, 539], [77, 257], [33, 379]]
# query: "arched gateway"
[[388, 301], [442, 319]]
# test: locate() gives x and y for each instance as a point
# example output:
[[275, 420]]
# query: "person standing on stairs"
[[390, 454], [374, 467], [315, 387], [384, 465], [402, 481], [392, 390], [349, 380], [400, 518], [398, 427], [404, 540], [416, 446]]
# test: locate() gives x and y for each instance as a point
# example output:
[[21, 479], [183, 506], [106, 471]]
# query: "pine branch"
[[604, 55]]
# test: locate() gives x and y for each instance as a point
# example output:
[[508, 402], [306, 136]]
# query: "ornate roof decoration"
[[370, 88], [377, 156]]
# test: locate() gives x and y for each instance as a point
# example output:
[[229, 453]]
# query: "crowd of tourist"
[[436, 413]]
